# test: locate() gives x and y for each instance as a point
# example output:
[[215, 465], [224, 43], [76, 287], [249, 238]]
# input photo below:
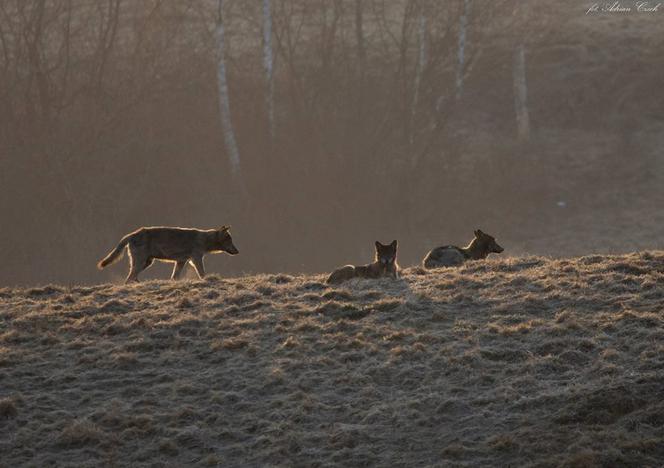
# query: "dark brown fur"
[[170, 244], [384, 265], [450, 255]]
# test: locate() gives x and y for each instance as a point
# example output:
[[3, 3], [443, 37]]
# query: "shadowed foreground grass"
[[525, 361]]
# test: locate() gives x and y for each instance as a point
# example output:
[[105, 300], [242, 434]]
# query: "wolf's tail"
[[116, 254]]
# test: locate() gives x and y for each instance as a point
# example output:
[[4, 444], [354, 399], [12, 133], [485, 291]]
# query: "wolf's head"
[[486, 244], [386, 254], [225, 242]]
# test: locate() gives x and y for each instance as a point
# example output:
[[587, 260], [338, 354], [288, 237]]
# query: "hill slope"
[[512, 361]]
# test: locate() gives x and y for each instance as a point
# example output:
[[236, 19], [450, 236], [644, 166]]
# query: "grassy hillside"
[[523, 361]]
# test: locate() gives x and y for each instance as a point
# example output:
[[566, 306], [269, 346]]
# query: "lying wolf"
[[449, 255], [170, 244], [385, 264]]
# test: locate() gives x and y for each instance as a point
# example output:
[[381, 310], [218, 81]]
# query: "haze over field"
[[110, 120]]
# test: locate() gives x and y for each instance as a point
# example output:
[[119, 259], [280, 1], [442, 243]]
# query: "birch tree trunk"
[[361, 64], [224, 104], [521, 93], [463, 23], [268, 62], [359, 36], [421, 61]]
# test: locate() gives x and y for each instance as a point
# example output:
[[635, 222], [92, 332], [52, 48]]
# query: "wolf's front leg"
[[177, 270], [198, 265]]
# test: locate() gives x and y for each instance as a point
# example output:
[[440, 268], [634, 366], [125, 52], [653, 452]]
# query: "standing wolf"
[[449, 255], [385, 264], [170, 244]]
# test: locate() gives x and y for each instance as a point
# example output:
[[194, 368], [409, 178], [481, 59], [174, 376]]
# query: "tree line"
[[297, 119]]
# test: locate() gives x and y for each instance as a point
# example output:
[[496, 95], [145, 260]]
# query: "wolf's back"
[[341, 274], [448, 255]]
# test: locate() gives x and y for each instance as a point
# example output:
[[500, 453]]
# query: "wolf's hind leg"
[[177, 270], [133, 274], [198, 265], [342, 274], [137, 263]]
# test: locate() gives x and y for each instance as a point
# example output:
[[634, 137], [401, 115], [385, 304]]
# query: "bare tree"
[[359, 37], [419, 67], [521, 93], [224, 102], [268, 63], [461, 54], [361, 60]]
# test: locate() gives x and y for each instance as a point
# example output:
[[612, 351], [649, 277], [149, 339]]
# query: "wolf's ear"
[[378, 245], [394, 244], [478, 233]]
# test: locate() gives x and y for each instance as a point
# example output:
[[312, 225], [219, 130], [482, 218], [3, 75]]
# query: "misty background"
[[317, 127]]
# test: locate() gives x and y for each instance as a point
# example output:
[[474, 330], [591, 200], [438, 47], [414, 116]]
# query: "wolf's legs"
[[177, 270], [132, 276], [137, 262], [198, 265], [342, 274]]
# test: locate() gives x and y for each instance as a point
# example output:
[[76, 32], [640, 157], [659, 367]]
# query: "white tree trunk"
[[421, 62], [268, 62], [463, 23], [359, 36], [224, 104], [521, 93]]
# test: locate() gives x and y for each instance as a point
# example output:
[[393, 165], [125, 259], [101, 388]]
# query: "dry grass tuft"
[[81, 432], [8, 408], [508, 362]]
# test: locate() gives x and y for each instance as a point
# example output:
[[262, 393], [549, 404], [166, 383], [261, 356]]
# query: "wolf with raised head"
[[450, 255], [170, 244], [384, 265]]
